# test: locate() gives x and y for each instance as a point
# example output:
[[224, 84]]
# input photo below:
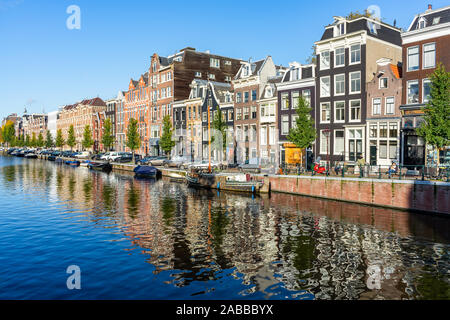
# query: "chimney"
[[430, 7]]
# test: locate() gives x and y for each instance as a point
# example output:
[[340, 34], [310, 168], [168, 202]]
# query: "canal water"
[[143, 239]]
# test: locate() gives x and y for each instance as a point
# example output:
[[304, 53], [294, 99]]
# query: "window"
[[339, 142], [413, 91], [373, 131], [246, 113], [239, 114], [294, 118], [205, 117], [339, 111], [355, 144], [355, 53], [324, 142], [339, 29], [198, 74], [339, 57], [285, 125], [307, 96], [355, 82], [413, 58], [339, 84], [426, 93], [390, 105], [215, 63], [230, 115], [325, 60], [325, 86], [169, 91], [211, 76], [263, 136], [392, 149], [272, 135], [383, 130], [429, 55], [383, 149], [239, 97], [253, 95], [169, 76], [284, 101], [325, 112], [383, 83], [436, 20], [254, 111], [227, 78], [355, 110], [295, 96], [227, 62], [246, 97], [393, 130], [376, 106], [295, 74], [246, 133]]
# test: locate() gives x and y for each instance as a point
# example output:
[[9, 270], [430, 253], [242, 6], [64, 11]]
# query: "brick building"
[[425, 44], [87, 112]]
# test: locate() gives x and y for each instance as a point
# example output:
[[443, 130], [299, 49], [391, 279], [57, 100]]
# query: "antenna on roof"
[[395, 22]]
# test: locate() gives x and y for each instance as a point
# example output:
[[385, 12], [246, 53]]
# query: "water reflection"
[[278, 247]]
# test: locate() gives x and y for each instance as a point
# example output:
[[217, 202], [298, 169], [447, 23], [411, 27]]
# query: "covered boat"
[[146, 172], [31, 156], [73, 163], [100, 166]]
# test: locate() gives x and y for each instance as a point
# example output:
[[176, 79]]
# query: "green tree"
[[40, 140], [87, 138], [49, 140], [166, 141], [107, 136], [59, 142], [133, 139], [356, 14], [33, 142], [436, 127], [304, 133], [221, 126], [8, 133], [27, 141], [71, 141], [312, 59]]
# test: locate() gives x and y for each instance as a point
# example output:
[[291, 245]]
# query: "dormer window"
[[436, 20], [339, 29], [295, 74], [422, 23], [246, 71], [268, 93]]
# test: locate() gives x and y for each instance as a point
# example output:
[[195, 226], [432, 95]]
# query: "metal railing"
[[399, 172]]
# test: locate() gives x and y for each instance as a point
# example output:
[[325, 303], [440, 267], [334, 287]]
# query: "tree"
[[107, 136], [312, 59], [133, 139], [304, 133], [71, 141], [221, 126], [33, 142], [8, 132], [49, 140], [436, 127], [356, 14], [27, 141], [59, 142], [87, 138], [40, 140], [166, 141]]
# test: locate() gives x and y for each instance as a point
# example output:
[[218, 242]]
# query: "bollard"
[[400, 172], [379, 172], [423, 173]]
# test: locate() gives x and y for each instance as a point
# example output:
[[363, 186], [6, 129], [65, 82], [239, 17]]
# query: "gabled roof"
[[443, 15]]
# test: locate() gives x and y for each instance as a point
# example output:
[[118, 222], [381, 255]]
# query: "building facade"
[[346, 60], [425, 44], [120, 122], [384, 95], [299, 81], [87, 112]]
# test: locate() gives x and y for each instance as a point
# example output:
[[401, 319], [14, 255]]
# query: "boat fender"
[[218, 185], [253, 189]]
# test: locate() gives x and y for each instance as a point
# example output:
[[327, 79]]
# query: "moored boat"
[[31, 156], [99, 166], [73, 163], [146, 172]]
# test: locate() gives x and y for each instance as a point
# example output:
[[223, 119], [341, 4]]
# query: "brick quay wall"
[[399, 194]]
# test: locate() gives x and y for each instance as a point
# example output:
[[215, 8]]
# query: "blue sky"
[[44, 65]]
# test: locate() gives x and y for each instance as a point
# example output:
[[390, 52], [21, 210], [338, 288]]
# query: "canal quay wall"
[[399, 194]]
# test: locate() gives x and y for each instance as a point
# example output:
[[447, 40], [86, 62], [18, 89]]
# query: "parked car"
[[97, 156], [205, 165], [83, 155], [144, 160], [250, 166], [177, 162], [110, 156], [124, 157]]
